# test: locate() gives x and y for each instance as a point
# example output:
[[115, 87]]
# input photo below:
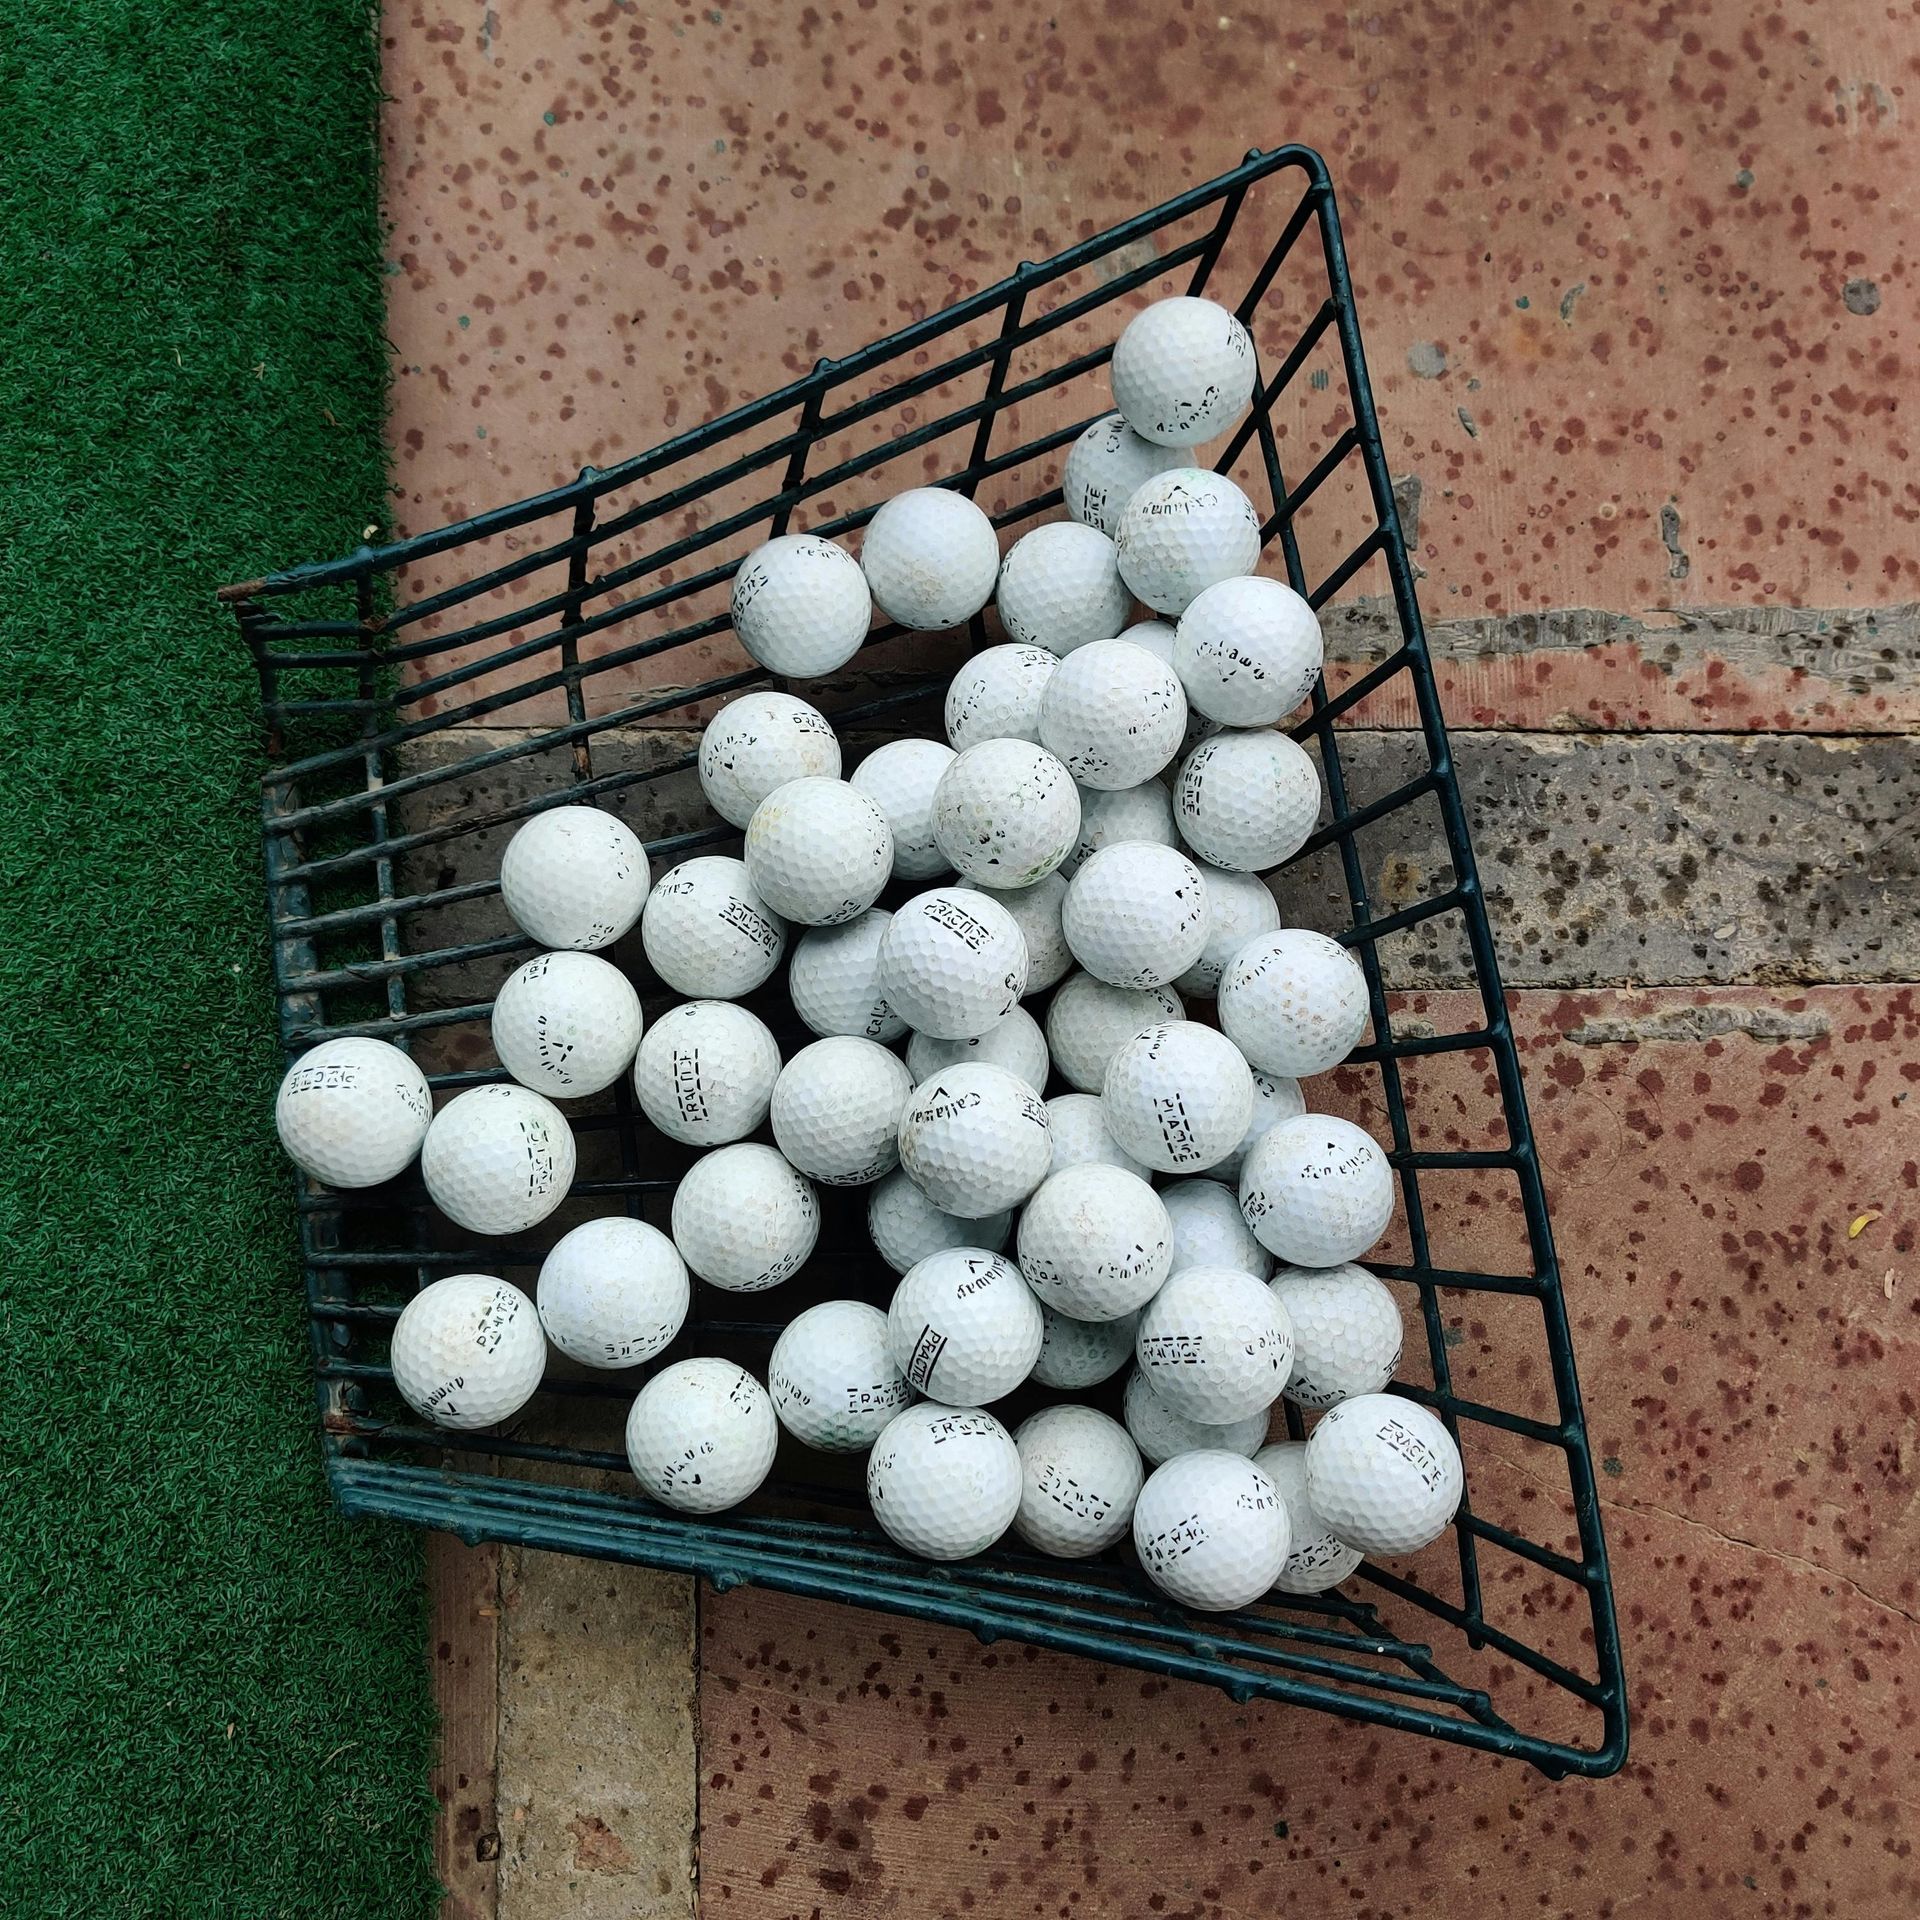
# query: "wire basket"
[[423, 698]]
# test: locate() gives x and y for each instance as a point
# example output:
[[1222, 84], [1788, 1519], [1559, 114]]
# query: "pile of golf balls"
[[988, 944]]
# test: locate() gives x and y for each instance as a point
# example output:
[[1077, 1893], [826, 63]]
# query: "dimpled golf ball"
[[836, 1110], [818, 851], [952, 962], [352, 1113], [566, 1024], [1095, 1242], [1238, 908], [964, 1327], [1060, 587], [1080, 1475], [574, 877], [1163, 1435], [1075, 1354], [467, 1351], [1183, 371], [944, 1481], [1246, 801], [1209, 1230], [975, 1140], [707, 931], [498, 1159], [1005, 813], [1211, 1530], [1315, 1559], [801, 606], [833, 1378], [996, 695], [1015, 1043], [1215, 1345], [1136, 914], [743, 1219], [701, 1435], [1036, 912], [1275, 1098], [1383, 1474], [1113, 714], [758, 742], [1082, 1138], [905, 1226], [1248, 651], [705, 1072], [900, 779], [1105, 465], [1316, 1191], [1347, 1334], [1182, 531], [613, 1293], [1294, 1001], [1177, 1096], [1088, 1020], [931, 557], [834, 979], [1109, 817]]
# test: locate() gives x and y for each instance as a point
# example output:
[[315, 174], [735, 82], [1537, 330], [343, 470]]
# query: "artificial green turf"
[[212, 1699]]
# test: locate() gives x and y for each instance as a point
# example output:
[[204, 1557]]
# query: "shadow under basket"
[[424, 698]]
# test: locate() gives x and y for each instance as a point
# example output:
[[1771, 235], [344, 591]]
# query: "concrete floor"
[[1639, 310]]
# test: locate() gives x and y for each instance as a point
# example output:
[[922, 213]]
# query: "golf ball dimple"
[[498, 1159], [975, 1140], [1095, 1242], [1115, 816], [1215, 1344], [467, 1351], [833, 1379], [758, 742], [708, 932], [1060, 588], [1177, 1096], [566, 1024], [1347, 1333], [574, 877], [996, 695], [1104, 467], [1088, 1020], [1183, 531], [944, 1482], [353, 1112], [931, 558], [836, 1111], [705, 1072], [905, 1226], [833, 979], [1316, 1560], [952, 962], [1015, 1043], [964, 1327], [1136, 914], [900, 779], [1239, 907], [701, 1435], [1036, 912], [1247, 801], [1211, 1530], [1383, 1474], [1294, 1001], [613, 1293], [1275, 1098], [1209, 1230], [1161, 1434], [818, 851], [1113, 714], [1183, 371], [1082, 1138], [1080, 1475], [1076, 1354], [1317, 1191], [744, 1219], [801, 606], [1005, 813], [1248, 651]]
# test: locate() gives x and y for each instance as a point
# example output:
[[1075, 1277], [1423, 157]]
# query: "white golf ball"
[[1383, 1474], [701, 1435], [743, 1219], [1275, 1098], [1113, 714], [1082, 1138], [707, 931], [1183, 371], [1181, 532], [818, 851], [834, 979], [1080, 1475], [1215, 1345], [1294, 1001], [801, 606], [833, 1379], [931, 557], [566, 1024], [1116, 816], [1005, 814], [574, 877], [613, 1293], [1247, 801], [1015, 1043], [996, 695], [498, 1159], [1315, 1559], [1060, 587], [352, 1113], [900, 779], [467, 1351], [1248, 651], [944, 1481], [975, 1140], [1036, 912], [1088, 1020], [952, 962], [836, 1110], [1211, 1530], [1177, 1096], [1316, 1191], [905, 1226], [761, 741], [1157, 636], [1162, 1434], [1209, 1230], [1075, 1354], [1136, 914], [705, 1072], [1239, 907], [964, 1327], [1347, 1335], [1104, 467], [1095, 1242]]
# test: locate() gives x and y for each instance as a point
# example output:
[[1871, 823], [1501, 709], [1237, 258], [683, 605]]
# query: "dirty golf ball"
[[836, 1110], [1015, 1043], [1183, 371], [759, 742], [1036, 912], [931, 558], [1246, 801], [1211, 1530], [574, 877], [1161, 1434], [832, 1377], [1177, 1096], [944, 1481], [1080, 1475], [1315, 1559], [975, 1140], [900, 779], [1113, 714], [800, 606], [707, 931], [1104, 468], [1347, 1334], [1082, 1138], [352, 1113], [1136, 915], [1005, 813], [1181, 532], [701, 1435], [498, 1159], [1095, 1242], [952, 962], [1316, 1191], [613, 1293], [818, 851], [467, 1351], [996, 695], [905, 1226], [566, 1024], [1088, 1020], [1060, 588], [1075, 1354], [1294, 1002], [834, 979], [1209, 1230], [743, 1219], [964, 1327], [1275, 1098], [1383, 1474], [1110, 816], [705, 1072], [1215, 1345], [1248, 651]]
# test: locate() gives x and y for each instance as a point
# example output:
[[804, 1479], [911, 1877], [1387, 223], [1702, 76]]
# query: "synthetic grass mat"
[[212, 1695]]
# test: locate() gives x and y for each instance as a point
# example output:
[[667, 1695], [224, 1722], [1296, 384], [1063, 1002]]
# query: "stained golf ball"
[[1015, 1043], [1036, 912], [498, 1159], [996, 695], [701, 1435], [574, 877], [1316, 1560], [467, 1351], [1316, 1191], [833, 1378], [1239, 907], [931, 558], [952, 962], [1275, 1098], [1383, 1473], [744, 1219], [1161, 1434], [975, 1140], [1294, 1001], [1181, 532], [613, 1293], [1211, 1530], [1082, 1138], [1183, 371], [1177, 1096], [707, 930], [1136, 914], [1080, 1475], [566, 1024], [964, 1326], [1248, 651], [1215, 1345], [1088, 1020], [1095, 1242], [1060, 588], [1209, 1230], [833, 979], [944, 1482], [1005, 813], [905, 1226], [1347, 1333], [818, 851], [1112, 816], [758, 742], [801, 606], [836, 1110], [1105, 466], [1076, 1354], [705, 1072], [1246, 801], [352, 1112], [1113, 714], [900, 779]]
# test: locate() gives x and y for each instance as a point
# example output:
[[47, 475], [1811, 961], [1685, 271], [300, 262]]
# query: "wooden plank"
[[463, 1646]]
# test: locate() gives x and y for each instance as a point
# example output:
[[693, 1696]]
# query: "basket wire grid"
[[384, 677]]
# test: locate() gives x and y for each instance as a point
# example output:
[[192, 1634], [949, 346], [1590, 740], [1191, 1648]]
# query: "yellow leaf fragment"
[[1861, 1222]]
